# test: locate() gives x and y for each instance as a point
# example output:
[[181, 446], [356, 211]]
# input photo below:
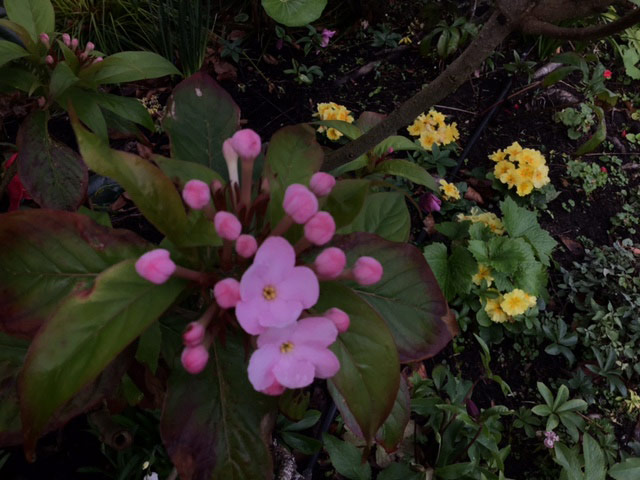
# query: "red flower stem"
[[302, 245], [199, 277], [208, 315], [284, 225], [227, 250], [247, 174]]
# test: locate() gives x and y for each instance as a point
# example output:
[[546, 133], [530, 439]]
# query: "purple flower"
[[326, 36], [430, 203], [550, 439]]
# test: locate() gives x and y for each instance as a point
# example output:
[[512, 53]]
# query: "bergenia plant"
[[272, 275]]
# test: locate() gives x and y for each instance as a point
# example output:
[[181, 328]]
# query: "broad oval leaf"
[[200, 116], [627, 470], [180, 171], [369, 375], [10, 51], [150, 189], [407, 297], [346, 200], [84, 335], [391, 432], [294, 13], [45, 255], [212, 423], [409, 170], [385, 214], [54, 175], [129, 67], [36, 16]]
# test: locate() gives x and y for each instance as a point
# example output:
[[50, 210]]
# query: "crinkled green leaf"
[[385, 214], [294, 13]]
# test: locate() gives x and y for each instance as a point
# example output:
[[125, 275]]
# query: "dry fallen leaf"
[[473, 195], [573, 246], [429, 224]]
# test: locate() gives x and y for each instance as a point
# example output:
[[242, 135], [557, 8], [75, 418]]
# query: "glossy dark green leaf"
[[200, 116], [346, 200], [391, 432], [346, 459], [10, 51], [627, 470], [47, 254], [85, 106], [369, 378], [408, 297], [83, 336], [399, 471], [385, 214], [150, 189], [54, 175], [294, 13], [409, 170], [61, 79], [36, 16], [129, 67], [214, 423]]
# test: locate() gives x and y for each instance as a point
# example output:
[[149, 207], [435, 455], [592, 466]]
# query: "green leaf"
[[502, 253], [569, 460], [84, 104], [598, 137], [454, 230], [409, 170], [125, 107], [594, 463], [397, 142], [453, 272], [48, 254], [630, 57], [558, 74], [385, 214], [407, 297], [302, 443], [149, 347], [84, 335], [346, 200], [54, 175], [349, 130], [546, 394], [22, 33], [360, 162], [454, 471], [180, 171], [561, 397], [212, 423], [399, 471], [152, 191], [200, 116], [61, 79], [532, 278], [125, 67], [391, 432], [36, 16], [294, 13], [627, 470], [369, 378], [19, 79], [10, 51], [572, 405], [346, 459]]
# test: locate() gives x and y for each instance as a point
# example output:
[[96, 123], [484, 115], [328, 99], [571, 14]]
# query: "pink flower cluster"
[[550, 439], [273, 296], [72, 44]]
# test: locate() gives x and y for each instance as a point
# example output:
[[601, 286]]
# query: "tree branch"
[[492, 34], [534, 26]]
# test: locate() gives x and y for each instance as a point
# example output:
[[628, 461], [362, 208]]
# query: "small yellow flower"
[[513, 149], [511, 178], [333, 111], [494, 310], [517, 302], [524, 188], [484, 273], [449, 190], [503, 167], [526, 172], [428, 138], [405, 41], [540, 176], [333, 134], [433, 130], [498, 156]]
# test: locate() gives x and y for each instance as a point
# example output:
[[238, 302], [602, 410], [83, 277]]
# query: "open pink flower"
[[326, 36], [156, 266], [293, 356], [273, 291]]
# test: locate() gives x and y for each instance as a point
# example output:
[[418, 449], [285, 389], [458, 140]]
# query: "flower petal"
[[279, 313], [248, 314], [302, 285], [323, 359], [261, 367], [276, 336], [278, 254], [293, 372], [252, 282], [318, 332]]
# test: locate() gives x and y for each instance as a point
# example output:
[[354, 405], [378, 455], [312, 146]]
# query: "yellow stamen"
[[269, 292], [286, 347]]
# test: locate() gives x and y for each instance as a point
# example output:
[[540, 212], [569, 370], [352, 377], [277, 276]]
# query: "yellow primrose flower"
[[484, 273], [428, 138], [524, 188], [405, 41], [526, 172], [333, 134], [516, 302], [511, 178], [433, 130], [449, 190], [332, 111], [494, 310], [513, 149], [503, 167], [498, 156], [540, 176]]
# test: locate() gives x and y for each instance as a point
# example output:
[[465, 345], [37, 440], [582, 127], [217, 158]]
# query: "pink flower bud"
[[330, 263], [90, 47], [216, 186], [367, 271], [196, 194], [193, 334], [74, 43], [227, 225], [320, 229], [246, 143], [44, 38], [227, 292], [246, 246], [339, 318], [66, 39], [430, 203], [97, 60], [322, 183], [194, 359], [49, 60], [83, 56], [604, 170], [231, 157], [156, 266], [607, 74], [42, 101], [300, 203]]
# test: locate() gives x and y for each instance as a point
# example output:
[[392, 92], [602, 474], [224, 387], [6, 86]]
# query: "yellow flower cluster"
[[449, 190], [531, 170], [333, 111], [491, 220], [509, 305], [432, 129], [484, 273]]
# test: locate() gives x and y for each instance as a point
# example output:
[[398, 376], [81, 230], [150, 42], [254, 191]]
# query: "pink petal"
[[318, 332], [248, 314], [252, 282], [261, 366], [278, 254], [280, 313], [323, 359], [301, 285], [293, 372], [276, 336]]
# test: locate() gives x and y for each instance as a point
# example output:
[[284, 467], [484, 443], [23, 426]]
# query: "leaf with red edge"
[[200, 116], [54, 175], [407, 297], [45, 255], [213, 424]]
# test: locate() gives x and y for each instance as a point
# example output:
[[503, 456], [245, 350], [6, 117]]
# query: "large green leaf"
[[47, 254], [369, 375], [627, 470], [346, 200], [150, 189], [397, 143], [213, 424], [385, 214], [54, 175], [181, 171], [391, 432], [346, 458], [129, 67], [36, 16], [200, 116], [293, 156], [408, 297], [453, 272], [10, 51], [409, 170], [61, 79], [294, 13], [594, 462], [84, 335]]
